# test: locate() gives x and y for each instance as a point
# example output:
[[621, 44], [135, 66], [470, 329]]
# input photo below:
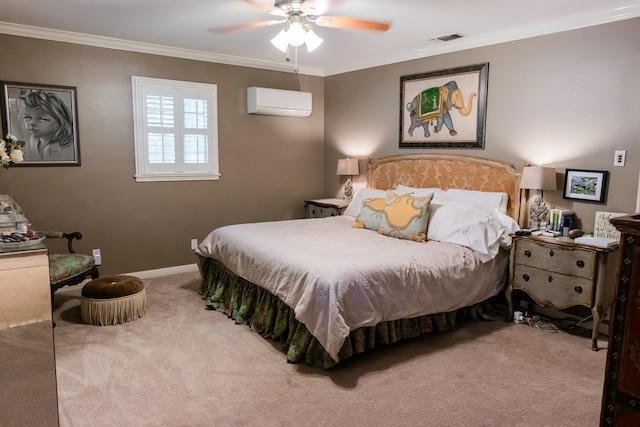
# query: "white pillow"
[[481, 229], [492, 200], [438, 194], [356, 203]]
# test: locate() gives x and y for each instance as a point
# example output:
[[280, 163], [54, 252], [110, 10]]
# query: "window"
[[175, 130]]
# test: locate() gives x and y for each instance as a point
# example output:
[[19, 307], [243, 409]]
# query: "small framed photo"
[[45, 117], [585, 185]]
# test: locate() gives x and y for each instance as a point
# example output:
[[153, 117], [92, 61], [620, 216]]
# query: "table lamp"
[[348, 167], [538, 178]]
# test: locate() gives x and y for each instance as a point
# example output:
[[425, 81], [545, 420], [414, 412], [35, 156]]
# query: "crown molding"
[[148, 48], [581, 20]]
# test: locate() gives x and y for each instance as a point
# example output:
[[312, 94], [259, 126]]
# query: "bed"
[[329, 288]]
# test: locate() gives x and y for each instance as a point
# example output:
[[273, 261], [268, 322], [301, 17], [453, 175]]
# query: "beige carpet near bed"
[[181, 365]]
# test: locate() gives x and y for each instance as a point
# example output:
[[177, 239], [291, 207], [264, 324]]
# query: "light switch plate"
[[619, 158]]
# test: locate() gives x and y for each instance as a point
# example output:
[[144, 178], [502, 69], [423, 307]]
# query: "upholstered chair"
[[71, 268]]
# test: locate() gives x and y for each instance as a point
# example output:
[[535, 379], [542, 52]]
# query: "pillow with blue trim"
[[403, 216]]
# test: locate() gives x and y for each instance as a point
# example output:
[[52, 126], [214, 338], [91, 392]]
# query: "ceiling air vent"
[[449, 37]]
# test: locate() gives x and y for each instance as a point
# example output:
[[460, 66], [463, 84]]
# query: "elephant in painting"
[[435, 103]]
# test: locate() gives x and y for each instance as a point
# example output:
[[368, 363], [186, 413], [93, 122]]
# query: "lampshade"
[[312, 40], [281, 41], [538, 178], [348, 167]]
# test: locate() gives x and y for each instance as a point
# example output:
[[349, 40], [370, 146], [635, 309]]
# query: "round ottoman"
[[112, 300]]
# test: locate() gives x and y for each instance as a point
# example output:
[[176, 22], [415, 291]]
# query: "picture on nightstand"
[[603, 228]]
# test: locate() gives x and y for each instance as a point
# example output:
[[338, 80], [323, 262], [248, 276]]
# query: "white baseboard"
[[178, 269], [146, 274]]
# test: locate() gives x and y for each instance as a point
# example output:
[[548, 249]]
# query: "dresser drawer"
[[315, 211], [571, 261], [553, 290]]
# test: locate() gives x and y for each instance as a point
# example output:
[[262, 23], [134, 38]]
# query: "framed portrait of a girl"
[[45, 117]]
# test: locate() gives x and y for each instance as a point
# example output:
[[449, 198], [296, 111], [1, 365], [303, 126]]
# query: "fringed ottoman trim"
[[113, 311]]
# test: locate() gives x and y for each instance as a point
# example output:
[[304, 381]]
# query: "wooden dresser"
[[621, 395], [28, 395]]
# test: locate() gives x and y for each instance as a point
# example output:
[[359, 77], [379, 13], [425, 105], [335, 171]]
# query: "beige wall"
[[269, 165], [566, 100], [563, 100]]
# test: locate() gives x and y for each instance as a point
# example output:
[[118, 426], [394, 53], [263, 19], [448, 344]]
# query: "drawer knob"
[[551, 253], [527, 253], [580, 263], [550, 278], [578, 289], [525, 277]]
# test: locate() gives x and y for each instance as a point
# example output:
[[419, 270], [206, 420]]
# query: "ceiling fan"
[[298, 17]]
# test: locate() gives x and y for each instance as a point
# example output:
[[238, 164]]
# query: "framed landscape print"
[[585, 185], [45, 117], [445, 108]]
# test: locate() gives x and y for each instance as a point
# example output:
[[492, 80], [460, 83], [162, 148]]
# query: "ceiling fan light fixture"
[[312, 41], [296, 34]]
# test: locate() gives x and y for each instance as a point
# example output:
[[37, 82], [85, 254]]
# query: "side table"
[[320, 208], [558, 273]]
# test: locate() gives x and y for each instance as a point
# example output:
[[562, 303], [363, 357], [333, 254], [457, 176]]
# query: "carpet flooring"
[[182, 365]]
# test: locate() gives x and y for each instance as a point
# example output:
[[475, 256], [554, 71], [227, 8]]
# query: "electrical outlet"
[[194, 244], [97, 256], [619, 158]]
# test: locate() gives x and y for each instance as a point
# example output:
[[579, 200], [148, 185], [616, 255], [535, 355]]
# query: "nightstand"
[[320, 208], [557, 273]]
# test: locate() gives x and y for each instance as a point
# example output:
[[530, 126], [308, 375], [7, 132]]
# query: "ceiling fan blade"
[[353, 23], [319, 7], [246, 26], [269, 9]]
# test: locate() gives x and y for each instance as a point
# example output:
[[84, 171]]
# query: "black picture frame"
[[426, 104], [46, 118], [586, 185]]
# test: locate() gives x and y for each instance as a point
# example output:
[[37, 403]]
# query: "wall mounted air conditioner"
[[277, 102]]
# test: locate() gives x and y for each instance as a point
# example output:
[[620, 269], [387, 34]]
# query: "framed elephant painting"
[[445, 108]]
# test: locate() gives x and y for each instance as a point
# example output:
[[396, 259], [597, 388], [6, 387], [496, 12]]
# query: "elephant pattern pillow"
[[403, 216]]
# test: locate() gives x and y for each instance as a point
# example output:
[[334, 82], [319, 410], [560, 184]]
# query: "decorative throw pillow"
[[364, 193], [403, 216]]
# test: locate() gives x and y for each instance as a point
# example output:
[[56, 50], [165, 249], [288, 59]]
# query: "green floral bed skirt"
[[267, 315]]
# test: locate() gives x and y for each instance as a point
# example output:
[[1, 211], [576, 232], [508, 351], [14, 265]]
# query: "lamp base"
[[538, 211], [348, 191]]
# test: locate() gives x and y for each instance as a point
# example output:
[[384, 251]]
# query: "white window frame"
[[178, 171]]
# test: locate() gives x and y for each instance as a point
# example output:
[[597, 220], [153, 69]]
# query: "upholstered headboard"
[[443, 171]]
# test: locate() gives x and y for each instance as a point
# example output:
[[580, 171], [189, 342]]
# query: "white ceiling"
[[181, 27]]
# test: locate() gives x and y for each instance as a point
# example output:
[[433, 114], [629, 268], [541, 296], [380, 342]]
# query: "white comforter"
[[338, 278]]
